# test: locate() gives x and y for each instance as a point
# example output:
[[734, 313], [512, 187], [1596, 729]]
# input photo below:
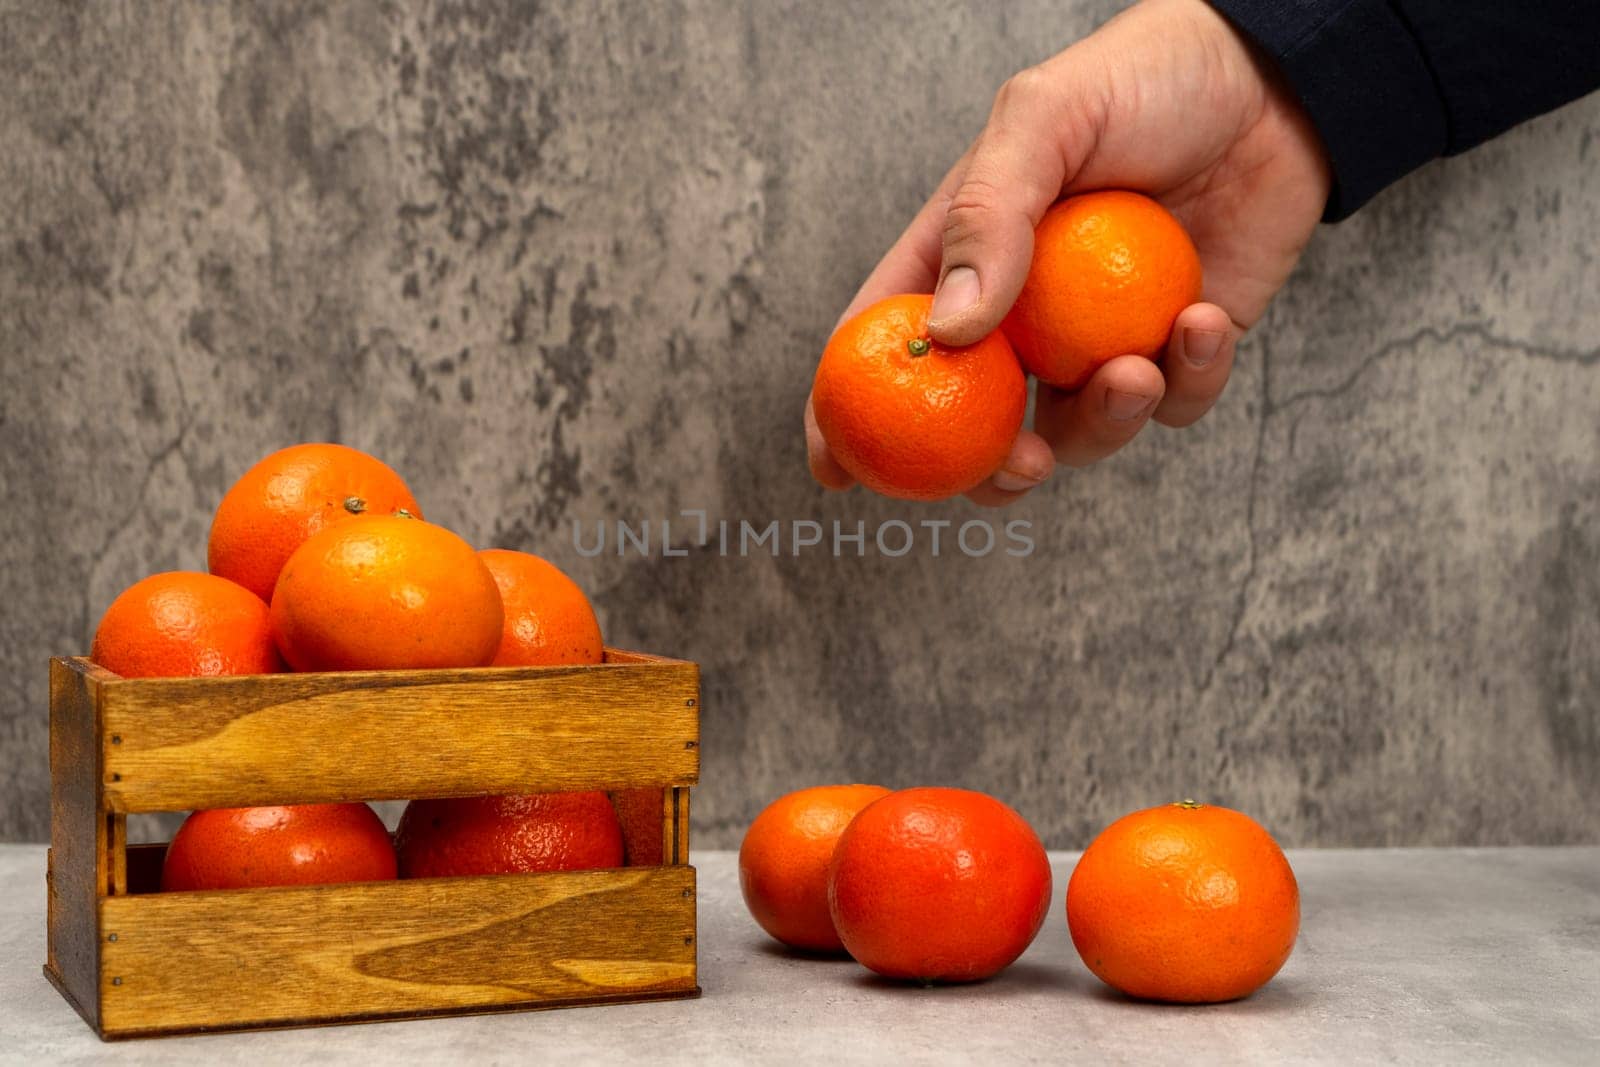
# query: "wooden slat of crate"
[[669, 827], [178, 744], [81, 866], [679, 852], [272, 957]]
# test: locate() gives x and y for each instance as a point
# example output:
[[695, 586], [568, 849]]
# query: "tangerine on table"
[[783, 862], [1184, 902], [548, 620], [908, 417], [943, 885], [1111, 271], [383, 592], [288, 496], [300, 844], [507, 834], [182, 623]]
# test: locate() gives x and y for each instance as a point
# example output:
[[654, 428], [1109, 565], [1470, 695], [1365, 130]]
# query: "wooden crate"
[[138, 962]]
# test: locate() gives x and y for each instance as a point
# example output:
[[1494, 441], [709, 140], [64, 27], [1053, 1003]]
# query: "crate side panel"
[[178, 744], [680, 825], [117, 843], [669, 827], [79, 852], [185, 961]]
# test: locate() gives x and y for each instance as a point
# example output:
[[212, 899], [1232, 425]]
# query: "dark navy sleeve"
[[1391, 84]]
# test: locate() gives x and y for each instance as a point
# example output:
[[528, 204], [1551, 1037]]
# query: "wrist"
[[1359, 77]]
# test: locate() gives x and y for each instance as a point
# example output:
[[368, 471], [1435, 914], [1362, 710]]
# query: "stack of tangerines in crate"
[[342, 649], [320, 560]]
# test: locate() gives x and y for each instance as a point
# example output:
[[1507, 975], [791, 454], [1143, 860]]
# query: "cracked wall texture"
[[575, 262]]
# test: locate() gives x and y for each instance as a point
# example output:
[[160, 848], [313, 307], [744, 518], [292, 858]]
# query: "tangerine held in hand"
[[508, 834], [381, 592], [288, 496], [182, 623], [1110, 273], [783, 862], [908, 417], [938, 885], [1184, 902], [300, 844]]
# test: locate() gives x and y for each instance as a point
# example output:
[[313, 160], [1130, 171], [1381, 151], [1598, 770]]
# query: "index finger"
[[824, 468]]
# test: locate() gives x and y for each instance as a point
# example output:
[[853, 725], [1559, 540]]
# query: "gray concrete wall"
[[575, 262]]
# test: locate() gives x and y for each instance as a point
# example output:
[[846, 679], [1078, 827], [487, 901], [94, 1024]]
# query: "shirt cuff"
[[1364, 82]]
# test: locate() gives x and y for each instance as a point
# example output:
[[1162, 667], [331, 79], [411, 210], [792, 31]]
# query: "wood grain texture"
[[178, 744], [80, 855], [117, 854], [186, 961], [679, 851], [669, 828], [624, 656]]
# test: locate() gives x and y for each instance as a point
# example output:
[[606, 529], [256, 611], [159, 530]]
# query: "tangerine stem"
[[354, 505], [919, 346], [1187, 804]]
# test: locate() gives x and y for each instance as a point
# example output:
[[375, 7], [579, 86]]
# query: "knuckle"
[[976, 198], [974, 204], [1025, 89]]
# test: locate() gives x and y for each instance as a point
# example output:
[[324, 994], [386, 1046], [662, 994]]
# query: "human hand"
[[1166, 99]]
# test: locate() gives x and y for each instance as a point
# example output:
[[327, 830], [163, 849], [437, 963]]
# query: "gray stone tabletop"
[[1436, 956]]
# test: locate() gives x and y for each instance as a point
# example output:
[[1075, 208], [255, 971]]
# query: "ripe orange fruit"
[[640, 811], [1184, 902], [783, 862], [502, 835], [289, 496], [303, 844], [939, 885], [547, 617], [381, 592], [908, 417], [183, 623], [1111, 270]]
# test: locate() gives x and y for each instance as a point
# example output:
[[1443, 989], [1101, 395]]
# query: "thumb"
[[1034, 141]]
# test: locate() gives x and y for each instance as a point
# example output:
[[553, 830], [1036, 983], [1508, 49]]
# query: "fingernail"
[[958, 292], [1124, 406], [1200, 347], [1013, 481]]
